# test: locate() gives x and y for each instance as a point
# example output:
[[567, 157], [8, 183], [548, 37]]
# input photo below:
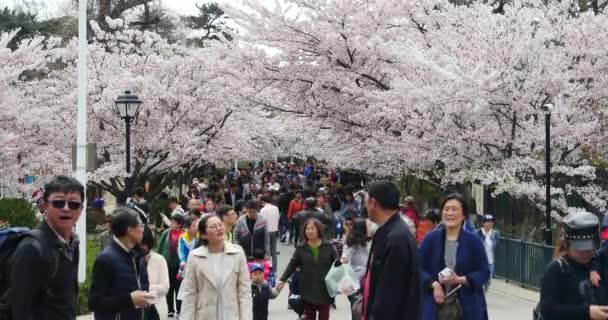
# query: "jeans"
[[311, 309], [338, 231], [274, 235], [292, 231], [283, 227], [487, 285], [296, 233]]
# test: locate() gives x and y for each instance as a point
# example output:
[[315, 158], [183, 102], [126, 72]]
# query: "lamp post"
[[548, 238], [128, 107]]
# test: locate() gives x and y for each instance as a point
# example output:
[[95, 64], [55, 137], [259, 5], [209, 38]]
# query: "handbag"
[[357, 309], [152, 313], [450, 309]]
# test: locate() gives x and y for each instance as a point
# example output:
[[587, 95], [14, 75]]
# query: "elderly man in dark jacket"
[[119, 282], [392, 288]]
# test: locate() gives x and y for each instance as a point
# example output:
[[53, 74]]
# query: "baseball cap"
[[487, 217], [256, 267]]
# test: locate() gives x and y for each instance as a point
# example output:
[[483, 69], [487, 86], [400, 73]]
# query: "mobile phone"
[[453, 291]]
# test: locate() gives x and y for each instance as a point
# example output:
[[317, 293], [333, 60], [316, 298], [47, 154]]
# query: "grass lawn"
[[83, 292]]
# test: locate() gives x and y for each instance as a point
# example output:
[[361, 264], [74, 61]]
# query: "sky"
[[49, 8]]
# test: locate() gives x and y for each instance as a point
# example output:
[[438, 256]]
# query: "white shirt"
[[271, 213], [274, 186], [158, 274], [489, 244], [216, 262]]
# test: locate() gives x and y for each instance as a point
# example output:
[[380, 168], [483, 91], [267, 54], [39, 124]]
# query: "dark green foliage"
[[158, 207], [18, 212], [11, 20], [211, 21], [82, 304], [64, 27]]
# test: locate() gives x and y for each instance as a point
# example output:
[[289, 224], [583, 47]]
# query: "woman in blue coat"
[[453, 247]]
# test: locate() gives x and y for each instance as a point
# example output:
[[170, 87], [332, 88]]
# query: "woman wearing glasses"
[[216, 285]]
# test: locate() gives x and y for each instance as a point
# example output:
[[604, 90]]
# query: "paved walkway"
[[505, 301]]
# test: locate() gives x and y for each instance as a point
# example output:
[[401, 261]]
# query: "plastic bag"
[[341, 278]]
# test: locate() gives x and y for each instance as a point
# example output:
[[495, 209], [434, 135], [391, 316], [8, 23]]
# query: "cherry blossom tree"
[[450, 93], [22, 64], [189, 94]]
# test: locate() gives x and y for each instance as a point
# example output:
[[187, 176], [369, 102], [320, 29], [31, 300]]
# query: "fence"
[[522, 262]]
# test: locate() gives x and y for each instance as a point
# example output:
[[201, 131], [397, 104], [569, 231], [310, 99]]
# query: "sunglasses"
[[60, 204]]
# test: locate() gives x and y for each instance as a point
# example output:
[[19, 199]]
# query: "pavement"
[[505, 301]]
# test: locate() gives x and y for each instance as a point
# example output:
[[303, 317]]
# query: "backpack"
[[9, 241], [565, 267]]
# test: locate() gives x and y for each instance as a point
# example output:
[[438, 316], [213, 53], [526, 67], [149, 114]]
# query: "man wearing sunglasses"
[[44, 267]]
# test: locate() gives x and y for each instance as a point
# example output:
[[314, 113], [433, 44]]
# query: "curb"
[[501, 286]]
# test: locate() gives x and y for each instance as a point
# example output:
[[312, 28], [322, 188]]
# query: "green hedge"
[[18, 212], [93, 249]]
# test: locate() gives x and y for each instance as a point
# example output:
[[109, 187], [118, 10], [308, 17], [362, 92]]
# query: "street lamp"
[[128, 106], [547, 109]]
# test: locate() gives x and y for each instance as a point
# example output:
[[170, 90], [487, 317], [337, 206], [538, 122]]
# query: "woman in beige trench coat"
[[216, 285]]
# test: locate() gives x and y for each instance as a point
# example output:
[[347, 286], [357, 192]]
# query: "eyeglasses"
[[60, 204], [215, 226]]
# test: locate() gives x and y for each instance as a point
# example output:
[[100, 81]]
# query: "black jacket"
[[312, 273], [237, 196], [260, 294], [117, 273], [327, 220], [395, 290], [284, 200], [566, 291], [35, 294]]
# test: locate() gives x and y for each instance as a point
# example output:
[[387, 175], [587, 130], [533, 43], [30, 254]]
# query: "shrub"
[[93, 248], [18, 213]]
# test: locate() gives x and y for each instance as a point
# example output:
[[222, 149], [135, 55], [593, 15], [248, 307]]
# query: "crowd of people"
[[217, 255]]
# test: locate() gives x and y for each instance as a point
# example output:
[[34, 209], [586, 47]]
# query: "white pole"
[[236, 164], [81, 133]]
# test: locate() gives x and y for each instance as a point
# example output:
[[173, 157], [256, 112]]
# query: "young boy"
[[258, 257], [260, 292]]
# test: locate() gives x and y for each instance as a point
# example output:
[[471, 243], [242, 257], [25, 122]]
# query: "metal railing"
[[522, 262]]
